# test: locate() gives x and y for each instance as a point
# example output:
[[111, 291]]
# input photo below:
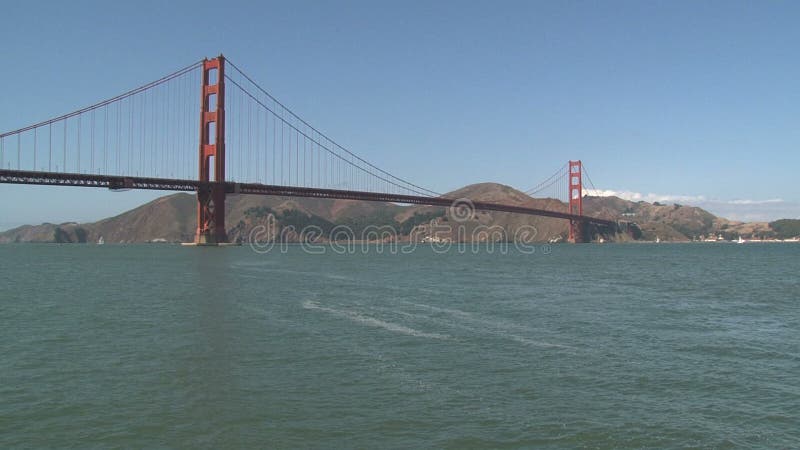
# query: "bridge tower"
[[576, 227], [211, 195]]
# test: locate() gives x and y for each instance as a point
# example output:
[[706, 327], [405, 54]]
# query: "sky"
[[674, 101]]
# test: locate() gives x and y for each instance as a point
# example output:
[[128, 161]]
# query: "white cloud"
[[745, 210], [650, 197], [755, 202], [754, 211]]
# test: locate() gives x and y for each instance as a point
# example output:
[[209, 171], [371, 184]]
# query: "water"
[[612, 346]]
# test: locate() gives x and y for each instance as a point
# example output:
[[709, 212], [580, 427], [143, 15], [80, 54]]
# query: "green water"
[[594, 346]]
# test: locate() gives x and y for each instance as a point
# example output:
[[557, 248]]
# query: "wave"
[[336, 277], [450, 311], [358, 317], [532, 343], [498, 328], [253, 264]]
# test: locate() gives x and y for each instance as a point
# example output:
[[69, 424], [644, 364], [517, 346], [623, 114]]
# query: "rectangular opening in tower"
[[213, 76], [212, 133]]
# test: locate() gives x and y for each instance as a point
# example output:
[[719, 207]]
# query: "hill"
[[172, 219], [410, 222], [669, 222], [676, 222], [483, 225]]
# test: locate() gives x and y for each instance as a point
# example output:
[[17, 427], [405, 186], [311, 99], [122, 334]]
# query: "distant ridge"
[[172, 219]]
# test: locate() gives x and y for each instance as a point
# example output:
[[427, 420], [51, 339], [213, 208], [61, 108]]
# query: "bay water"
[[571, 346]]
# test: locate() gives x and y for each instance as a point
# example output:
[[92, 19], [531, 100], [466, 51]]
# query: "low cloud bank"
[[745, 210]]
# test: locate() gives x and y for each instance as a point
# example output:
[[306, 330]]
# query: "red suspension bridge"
[[147, 138]]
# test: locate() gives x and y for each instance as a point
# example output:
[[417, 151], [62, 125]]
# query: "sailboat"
[[740, 240], [101, 241], [658, 240]]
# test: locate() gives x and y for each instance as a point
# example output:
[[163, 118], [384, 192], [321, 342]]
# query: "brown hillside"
[[172, 218]]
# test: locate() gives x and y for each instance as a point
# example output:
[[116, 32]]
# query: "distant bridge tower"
[[576, 227], [211, 195]]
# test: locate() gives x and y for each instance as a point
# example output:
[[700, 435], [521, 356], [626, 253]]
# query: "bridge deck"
[[166, 184]]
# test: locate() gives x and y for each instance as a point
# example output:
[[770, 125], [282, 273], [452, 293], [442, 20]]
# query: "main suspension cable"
[[284, 108], [106, 102]]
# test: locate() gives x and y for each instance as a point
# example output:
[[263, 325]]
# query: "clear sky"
[[693, 101]]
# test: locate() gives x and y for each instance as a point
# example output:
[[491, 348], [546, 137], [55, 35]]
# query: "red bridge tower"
[[211, 195], [576, 227]]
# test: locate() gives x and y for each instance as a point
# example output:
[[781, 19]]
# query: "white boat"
[[658, 240], [740, 240], [101, 241]]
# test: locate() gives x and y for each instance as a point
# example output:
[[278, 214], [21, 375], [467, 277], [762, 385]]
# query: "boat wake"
[[498, 328], [358, 317]]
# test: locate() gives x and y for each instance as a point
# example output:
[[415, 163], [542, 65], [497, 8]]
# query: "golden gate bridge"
[[147, 138]]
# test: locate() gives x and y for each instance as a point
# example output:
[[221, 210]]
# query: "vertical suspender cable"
[[119, 135], [64, 149], [105, 140], [80, 131], [91, 146]]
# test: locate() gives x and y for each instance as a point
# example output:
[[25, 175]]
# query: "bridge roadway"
[[115, 182]]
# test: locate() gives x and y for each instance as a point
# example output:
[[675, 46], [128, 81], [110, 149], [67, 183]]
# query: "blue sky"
[[693, 101]]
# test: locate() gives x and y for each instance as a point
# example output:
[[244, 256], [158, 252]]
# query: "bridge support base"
[[578, 232], [211, 215]]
